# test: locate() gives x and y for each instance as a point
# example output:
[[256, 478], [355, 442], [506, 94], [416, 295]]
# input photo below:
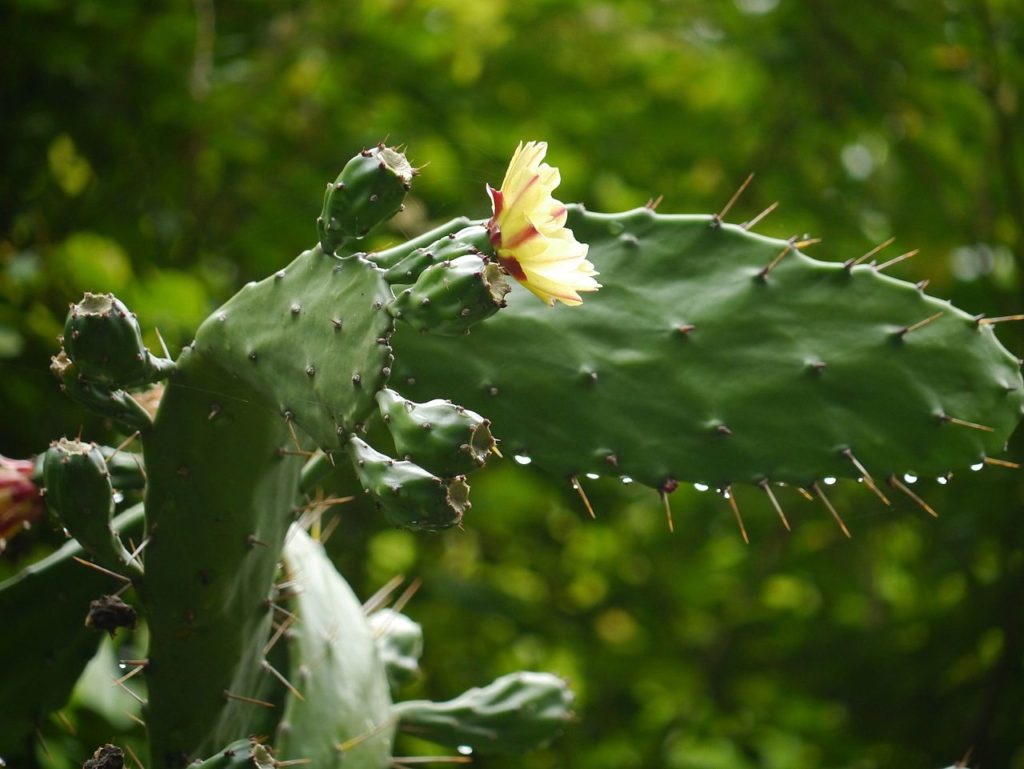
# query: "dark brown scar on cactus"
[[108, 613]]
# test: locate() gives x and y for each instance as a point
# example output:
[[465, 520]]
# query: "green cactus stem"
[[80, 496], [103, 339], [410, 497], [368, 191], [440, 436], [240, 754], [515, 713]]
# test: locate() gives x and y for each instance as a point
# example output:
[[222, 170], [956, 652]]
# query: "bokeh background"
[[171, 151]]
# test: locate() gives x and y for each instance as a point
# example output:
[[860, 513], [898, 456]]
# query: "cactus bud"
[[450, 297], [103, 339], [410, 496], [369, 190], [80, 496], [515, 713], [467, 241], [444, 438], [400, 643]]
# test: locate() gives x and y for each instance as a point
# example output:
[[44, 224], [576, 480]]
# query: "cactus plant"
[[709, 354]]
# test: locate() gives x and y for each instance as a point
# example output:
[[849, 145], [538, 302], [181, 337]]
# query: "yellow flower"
[[527, 230]]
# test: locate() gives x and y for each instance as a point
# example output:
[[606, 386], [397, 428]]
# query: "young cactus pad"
[[719, 356]]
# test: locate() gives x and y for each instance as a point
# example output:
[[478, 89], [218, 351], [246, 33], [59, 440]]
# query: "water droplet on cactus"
[[830, 481], [118, 497], [465, 750], [593, 476], [942, 480], [909, 478], [522, 459], [626, 479], [701, 486], [978, 466]]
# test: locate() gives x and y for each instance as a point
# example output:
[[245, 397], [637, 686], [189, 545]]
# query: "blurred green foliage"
[[171, 152]]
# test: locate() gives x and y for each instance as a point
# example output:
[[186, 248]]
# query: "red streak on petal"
[[522, 236], [558, 212], [497, 200], [513, 267], [494, 234]]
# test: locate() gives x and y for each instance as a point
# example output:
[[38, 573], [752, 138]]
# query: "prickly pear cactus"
[[709, 354]]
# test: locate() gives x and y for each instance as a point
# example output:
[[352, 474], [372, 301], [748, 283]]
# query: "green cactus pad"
[[444, 438], [400, 644], [80, 495], [406, 269], [312, 340], [103, 339], [222, 479], [45, 642], [411, 497], [696, 362], [515, 713], [343, 719], [450, 297], [368, 191]]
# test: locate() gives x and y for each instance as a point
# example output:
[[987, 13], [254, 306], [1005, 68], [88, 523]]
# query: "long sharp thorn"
[[860, 259], [1002, 463], [775, 503], [135, 758], [131, 673], [281, 630], [583, 495], [163, 344], [284, 681], [805, 493], [897, 260], [756, 220], [736, 512], [920, 324], [775, 262], [42, 743], [248, 700], [121, 445], [67, 724], [128, 691], [965, 423], [896, 483], [868, 480], [720, 216], [134, 555], [407, 594], [329, 529], [135, 718], [668, 512], [350, 743], [835, 514], [379, 598], [1001, 319], [100, 569]]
